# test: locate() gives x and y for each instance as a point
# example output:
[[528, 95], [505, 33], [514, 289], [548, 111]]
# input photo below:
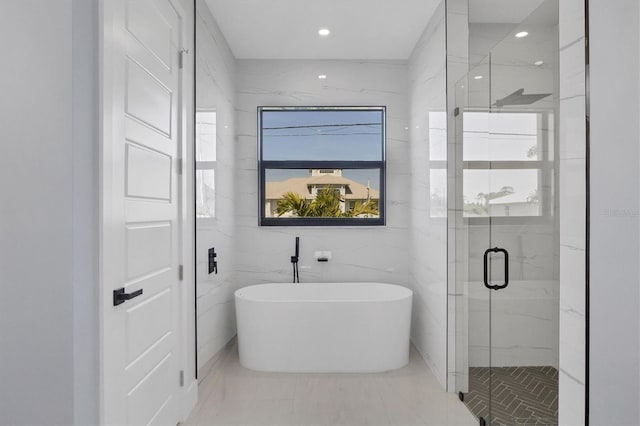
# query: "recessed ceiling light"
[[322, 76], [324, 32], [478, 77], [538, 63], [522, 34]]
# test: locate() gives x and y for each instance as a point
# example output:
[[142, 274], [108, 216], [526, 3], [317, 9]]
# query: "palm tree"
[[366, 209], [291, 202], [328, 203]]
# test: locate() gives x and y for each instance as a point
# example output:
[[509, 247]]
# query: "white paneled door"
[[141, 235]]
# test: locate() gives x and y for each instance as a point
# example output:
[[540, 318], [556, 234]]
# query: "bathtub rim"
[[406, 293]]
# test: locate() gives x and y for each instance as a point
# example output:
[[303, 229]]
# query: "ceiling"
[[288, 29], [501, 11]]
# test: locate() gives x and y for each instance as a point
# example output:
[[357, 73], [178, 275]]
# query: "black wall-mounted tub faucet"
[[213, 262], [294, 262]]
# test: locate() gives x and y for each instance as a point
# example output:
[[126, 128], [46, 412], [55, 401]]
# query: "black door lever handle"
[[119, 296]]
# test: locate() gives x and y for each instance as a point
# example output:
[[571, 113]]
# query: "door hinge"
[[179, 166], [181, 378], [181, 272], [181, 54], [456, 112]]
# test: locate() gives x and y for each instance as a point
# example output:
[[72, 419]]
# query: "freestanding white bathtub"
[[323, 327]]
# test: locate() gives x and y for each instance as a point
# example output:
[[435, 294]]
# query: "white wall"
[[216, 91], [428, 142], [38, 216], [85, 204], [614, 240], [359, 253]]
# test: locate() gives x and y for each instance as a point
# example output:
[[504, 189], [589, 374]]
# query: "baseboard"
[[213, 365], [427, 360], [190, 399], [190, 396]]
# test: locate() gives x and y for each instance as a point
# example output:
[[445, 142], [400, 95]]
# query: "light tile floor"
[[411, 395]]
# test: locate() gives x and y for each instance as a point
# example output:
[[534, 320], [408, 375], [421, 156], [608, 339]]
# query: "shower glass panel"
[[508, 230], [473, 234]]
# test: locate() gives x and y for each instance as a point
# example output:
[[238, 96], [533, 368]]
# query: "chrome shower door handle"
[[487, 284]]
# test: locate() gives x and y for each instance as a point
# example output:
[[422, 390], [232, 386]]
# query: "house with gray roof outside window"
[[307, 188]]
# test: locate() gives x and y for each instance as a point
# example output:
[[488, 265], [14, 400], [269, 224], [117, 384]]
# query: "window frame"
[[264, 165]]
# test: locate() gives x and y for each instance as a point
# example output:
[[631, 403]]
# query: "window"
[[321, 166], [205, 164], [508, 164]]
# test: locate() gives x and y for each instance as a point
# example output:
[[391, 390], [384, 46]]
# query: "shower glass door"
[[507, 231]]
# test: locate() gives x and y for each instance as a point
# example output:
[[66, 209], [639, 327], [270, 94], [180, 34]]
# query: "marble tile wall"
[[428, 148], [358, 253], [216, 92], [524, 324], [457, 16], [572, 163]]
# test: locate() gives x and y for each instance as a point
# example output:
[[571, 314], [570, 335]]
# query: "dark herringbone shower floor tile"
[[521, 396]]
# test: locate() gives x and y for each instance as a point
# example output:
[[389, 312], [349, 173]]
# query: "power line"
[[323, 134], [323, 125]]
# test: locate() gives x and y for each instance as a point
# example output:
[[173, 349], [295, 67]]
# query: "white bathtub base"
[[324, 328]]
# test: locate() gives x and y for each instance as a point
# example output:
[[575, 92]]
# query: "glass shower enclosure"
[[506, 228]]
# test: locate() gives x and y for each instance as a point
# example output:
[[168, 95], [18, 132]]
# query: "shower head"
[[519, 98]]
